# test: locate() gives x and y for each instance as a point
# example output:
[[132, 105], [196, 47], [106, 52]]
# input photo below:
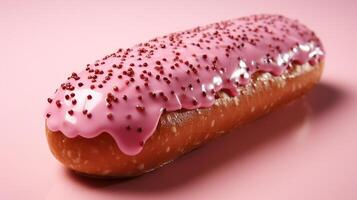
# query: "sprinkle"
[[140, 108], [58, 103], [110, 116]]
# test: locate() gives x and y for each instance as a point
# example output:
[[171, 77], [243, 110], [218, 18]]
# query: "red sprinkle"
[[58, 103], [140, 108], [110, 116]]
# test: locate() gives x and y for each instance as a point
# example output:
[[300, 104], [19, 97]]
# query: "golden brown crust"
[[182, 131]]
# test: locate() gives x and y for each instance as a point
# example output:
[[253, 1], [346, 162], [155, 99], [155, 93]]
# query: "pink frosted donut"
[[218, 76]]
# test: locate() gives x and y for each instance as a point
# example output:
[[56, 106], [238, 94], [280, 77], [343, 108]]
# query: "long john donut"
[[139, 108]]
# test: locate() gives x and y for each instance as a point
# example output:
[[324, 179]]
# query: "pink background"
[[307, 150]]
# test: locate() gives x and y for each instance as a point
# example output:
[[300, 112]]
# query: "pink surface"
[[304, 151]]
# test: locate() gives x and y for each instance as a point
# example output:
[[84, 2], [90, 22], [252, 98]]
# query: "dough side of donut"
[[182, 131]]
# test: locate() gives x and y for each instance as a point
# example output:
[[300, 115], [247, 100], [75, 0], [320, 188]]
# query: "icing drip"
[[125, 93]]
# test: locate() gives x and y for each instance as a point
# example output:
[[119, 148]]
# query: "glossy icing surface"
[[125, 93]]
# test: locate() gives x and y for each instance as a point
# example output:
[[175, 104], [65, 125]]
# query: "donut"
[[142, 107]]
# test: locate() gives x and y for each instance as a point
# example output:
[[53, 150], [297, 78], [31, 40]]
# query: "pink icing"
[[125, 93]]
